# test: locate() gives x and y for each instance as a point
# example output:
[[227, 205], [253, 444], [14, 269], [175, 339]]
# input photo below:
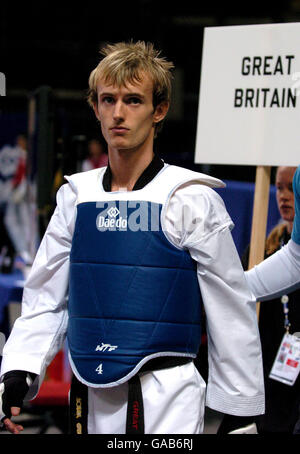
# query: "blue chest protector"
[[133, 296]]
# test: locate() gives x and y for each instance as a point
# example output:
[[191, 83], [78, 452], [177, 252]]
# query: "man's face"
[[284, 192], [127, 115]]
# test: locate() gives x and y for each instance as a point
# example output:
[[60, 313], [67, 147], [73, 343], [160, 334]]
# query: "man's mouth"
[[119, 129]]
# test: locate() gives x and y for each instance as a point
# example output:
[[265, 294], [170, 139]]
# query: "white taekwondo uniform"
[[174, 398]]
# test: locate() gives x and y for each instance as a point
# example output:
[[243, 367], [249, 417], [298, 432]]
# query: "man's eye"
[[107, 99], [134, 100]]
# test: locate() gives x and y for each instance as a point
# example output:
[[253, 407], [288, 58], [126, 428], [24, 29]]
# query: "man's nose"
[[118, 111]]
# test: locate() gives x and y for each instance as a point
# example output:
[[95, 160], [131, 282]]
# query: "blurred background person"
[[9, 159], [282, 401], [16, 216], [97, 156]]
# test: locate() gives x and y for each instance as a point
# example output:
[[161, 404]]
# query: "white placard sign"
[[249, 103]]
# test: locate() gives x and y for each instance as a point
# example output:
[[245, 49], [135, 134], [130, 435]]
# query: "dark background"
[[57, 45]]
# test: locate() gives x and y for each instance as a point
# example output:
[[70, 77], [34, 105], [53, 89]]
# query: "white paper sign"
[[249, 103]]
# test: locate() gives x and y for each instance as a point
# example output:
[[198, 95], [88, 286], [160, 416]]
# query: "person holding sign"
[[129, 255], [280, 273], [276, 318]]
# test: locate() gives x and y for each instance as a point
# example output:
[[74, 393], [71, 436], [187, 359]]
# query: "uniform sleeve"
[[38, 334], [296, 224], [277, 275], [235, 383]]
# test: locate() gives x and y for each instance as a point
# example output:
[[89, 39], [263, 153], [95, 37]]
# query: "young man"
[[135, 248]]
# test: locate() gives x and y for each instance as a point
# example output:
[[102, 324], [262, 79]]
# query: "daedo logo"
[[111, 222]]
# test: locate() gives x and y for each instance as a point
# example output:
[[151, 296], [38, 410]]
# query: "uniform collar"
[[148, 174]]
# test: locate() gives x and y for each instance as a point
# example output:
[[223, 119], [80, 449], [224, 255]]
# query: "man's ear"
[[161, 111]]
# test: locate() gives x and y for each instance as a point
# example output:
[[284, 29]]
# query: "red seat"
[[52, 392], [55, 388]]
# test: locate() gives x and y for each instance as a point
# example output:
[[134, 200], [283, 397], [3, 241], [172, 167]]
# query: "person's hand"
[[9, 424], [13, 390]]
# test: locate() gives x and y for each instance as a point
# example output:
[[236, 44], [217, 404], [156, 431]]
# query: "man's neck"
[[126, 167]]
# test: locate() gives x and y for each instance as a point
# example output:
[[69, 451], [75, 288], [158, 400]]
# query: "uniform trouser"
[[173, 400]]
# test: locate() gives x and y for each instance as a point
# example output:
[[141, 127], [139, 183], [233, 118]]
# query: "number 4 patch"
[[99, 369]]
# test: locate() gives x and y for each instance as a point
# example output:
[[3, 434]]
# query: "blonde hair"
[[125, 62], [273, 240]]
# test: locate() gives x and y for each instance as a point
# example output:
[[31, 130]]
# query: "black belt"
[[135, 408], [78, 410], [135, 423]]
